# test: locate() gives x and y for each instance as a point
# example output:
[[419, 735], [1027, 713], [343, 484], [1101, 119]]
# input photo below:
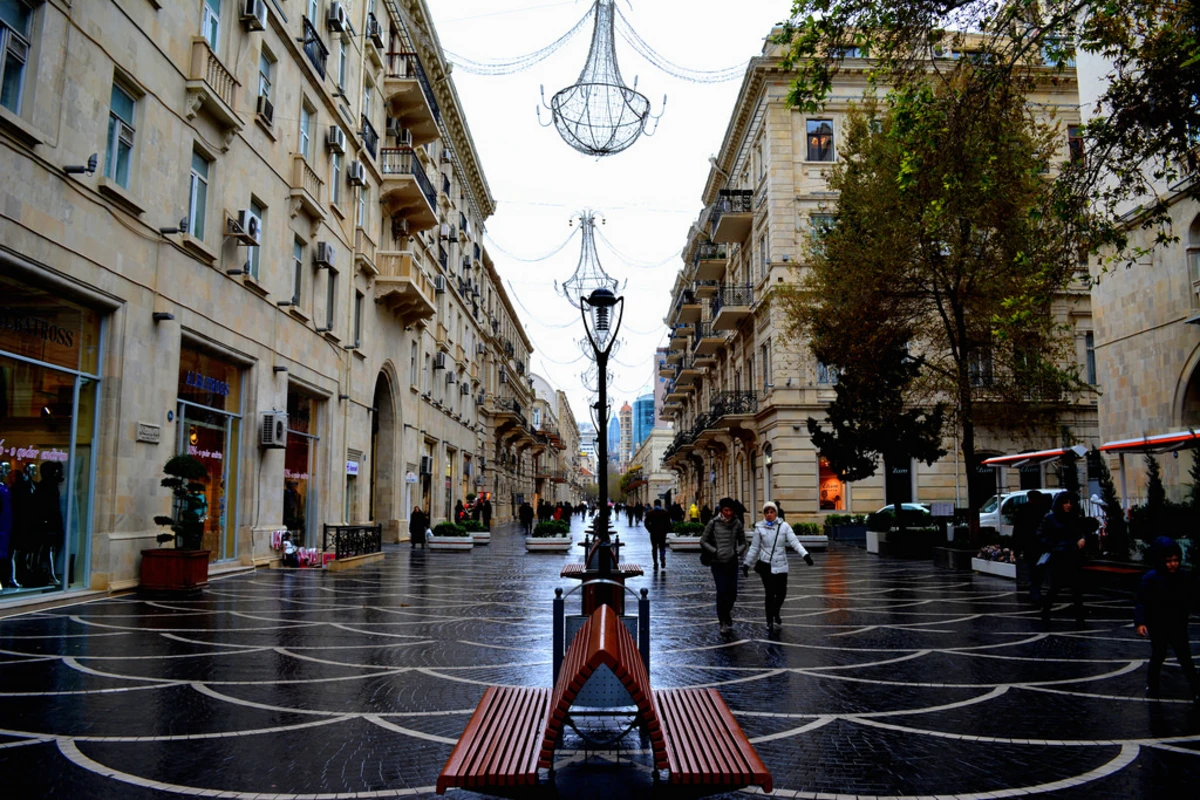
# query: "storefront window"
[[209, 425], [49, 351], [832, 490], [299, 499]]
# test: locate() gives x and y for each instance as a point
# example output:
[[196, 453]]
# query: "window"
[[306, 131], [330, 299], [364, 192], [425, 376], [826, 375], [255, 258], [1089, 345], [537, 418], [313, 11], [412, 364], [120, 137], [341, 75], [832, 490], [764, 255], [16, 17], [765, 361], [297, 270], [820, 140], [1075, 143], [266, 68], [366, 101], [198, 195], [335, 179], [980, 368], [210, 22]]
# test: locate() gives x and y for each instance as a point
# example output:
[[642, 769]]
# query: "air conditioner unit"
[[356, 173], [254, 15], [453, 234], [439, 361], [265, 109], [449, 378], [446, 156], [464, 389], [503, 376], [324, 255], [481, 399], [393, 126], [426, 465], [466, 262], [480, 349], [399, 227], [439, 284], [404, 138], [375, 32], [337, 18], [251, 227], [444, 231], [336, 139], [273, 430]]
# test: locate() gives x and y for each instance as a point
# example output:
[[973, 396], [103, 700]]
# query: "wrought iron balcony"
[[369, 136], [730, 305], [726, 404], [705, 340], [314, 48], [406, 187], [710, 260], [733, 215], [410, 97]]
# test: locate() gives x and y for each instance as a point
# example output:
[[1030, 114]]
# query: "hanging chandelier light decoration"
[[589, 275], [599, 115]]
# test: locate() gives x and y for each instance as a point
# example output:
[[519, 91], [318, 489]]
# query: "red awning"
[[1162, 443], [1034, 457]]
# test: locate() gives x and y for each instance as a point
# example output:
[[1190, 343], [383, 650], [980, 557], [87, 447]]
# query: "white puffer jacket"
[[765, 541]]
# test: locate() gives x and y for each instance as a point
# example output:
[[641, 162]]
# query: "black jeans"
[[658, 547], [1177, 640], [725, 575], [775, 588], [1064, 573]]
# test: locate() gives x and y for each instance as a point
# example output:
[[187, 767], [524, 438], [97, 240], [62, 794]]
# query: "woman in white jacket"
[[768, 546]]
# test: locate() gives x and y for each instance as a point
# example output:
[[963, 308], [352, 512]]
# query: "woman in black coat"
[[418, 523], [1062, 533]]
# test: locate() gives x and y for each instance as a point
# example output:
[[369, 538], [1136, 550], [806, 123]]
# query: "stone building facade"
[[654, 480], [276, 265], [737, 392]]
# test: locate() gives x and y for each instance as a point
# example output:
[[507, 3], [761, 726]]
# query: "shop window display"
[[832, 490], [298, 461]]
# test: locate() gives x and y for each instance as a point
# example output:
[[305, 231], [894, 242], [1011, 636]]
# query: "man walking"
[[659, 525]]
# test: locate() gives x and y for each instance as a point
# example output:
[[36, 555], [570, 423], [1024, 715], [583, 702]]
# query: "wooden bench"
[[704, 743], [500, 745], [579, 570]]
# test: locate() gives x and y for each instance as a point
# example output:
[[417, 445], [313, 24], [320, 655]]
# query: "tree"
[[1146, 127], [945, 243], [1156, 493], [1193, 490]]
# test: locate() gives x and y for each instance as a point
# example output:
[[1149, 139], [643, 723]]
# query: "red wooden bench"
[[500, 745], [705, 744]]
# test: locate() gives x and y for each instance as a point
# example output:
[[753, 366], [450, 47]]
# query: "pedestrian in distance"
[[768, 556], [722, 545], [487, 514], [1164, 601], [1028, 545], [658, 523], [706, 514], [675, 512], [460, 513], [693, 512], [525, 515], [418, 523], [1063, 533]]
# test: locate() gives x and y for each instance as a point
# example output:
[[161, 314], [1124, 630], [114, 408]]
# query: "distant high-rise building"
[[614, 439], [587, 443], [643, 420], [626, 451]]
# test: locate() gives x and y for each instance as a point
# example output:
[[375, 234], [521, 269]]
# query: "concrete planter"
[[449, 542], [873, 542], [481, 537], [548, 544], [678, 542], [849, 534], [997, 568], [814, 542]]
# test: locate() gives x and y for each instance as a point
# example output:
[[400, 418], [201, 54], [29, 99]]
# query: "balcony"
[[314, 48], [442, 336], [212, 87], [406, 188], [707, 341], [666, 370], [409, 97], [679, 335], [369, 136], [706, 290], [729, 408], [711, 258], [689, 373], [676, 393], [364, 252], [689, 308], [730, 306], [307, 188], [403, 288], [733, 215]]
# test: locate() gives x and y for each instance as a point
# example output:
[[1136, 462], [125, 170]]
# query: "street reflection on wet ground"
[[889, 678]]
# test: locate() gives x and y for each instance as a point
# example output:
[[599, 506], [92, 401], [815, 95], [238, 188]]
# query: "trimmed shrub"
[[449, 529], [688, 528], [473, 526], [553, 527], [808, 529]]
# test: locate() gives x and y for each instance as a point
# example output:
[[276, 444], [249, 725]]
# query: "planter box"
[[873, 541], [997, 568], [678, 542], [849, 534], [814, 542], [548, 544], [953, 558], [449, 542], [481, 537], [171, 571]]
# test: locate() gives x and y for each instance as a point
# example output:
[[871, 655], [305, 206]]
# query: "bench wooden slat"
[[500, 744], [705, 744]]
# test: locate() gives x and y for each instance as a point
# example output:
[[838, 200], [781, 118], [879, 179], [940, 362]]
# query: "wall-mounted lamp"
[[280, 369], [89, 168], [245, 270], [163, 316], [286, 303], [323, 330], [343, 397], [182, 227]]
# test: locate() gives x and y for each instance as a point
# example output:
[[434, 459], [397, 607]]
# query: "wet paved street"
[[889, 679]]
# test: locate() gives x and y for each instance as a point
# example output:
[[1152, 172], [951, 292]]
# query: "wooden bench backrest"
[[603, 641]]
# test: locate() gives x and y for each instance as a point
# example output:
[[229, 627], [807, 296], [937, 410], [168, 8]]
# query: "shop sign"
[[150, 434], [410, 477], [352, 468], [32, 453], [206, 384]]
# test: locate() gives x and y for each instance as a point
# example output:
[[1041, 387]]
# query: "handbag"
[[764, 567]]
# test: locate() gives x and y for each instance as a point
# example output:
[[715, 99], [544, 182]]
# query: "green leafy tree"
[[1156, 493], [1146, 126], [944, 244]]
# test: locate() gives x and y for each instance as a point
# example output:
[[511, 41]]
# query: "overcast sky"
[[649, 195]]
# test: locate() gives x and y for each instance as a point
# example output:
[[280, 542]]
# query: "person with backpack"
[[721, 547]]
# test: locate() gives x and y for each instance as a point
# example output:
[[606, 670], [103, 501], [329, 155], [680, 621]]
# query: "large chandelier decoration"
[[589, 275], [599, 115]]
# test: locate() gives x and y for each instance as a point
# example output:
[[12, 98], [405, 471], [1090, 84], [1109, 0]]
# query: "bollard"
[[644, 627], [559, 632]]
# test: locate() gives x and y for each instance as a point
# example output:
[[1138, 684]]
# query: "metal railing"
[[732, 295], [725, 403], [712, 251], [369, 135], [404, 161], [732, 201], [314, 48], [408, 65], [353, 540], [703, 330]]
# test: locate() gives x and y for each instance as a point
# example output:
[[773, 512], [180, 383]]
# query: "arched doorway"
[[383, 459]]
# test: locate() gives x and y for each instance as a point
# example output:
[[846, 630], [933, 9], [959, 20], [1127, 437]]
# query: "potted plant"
[[479, 533], [183, 568], [552, 536], [811, 535], [685, 536], [449, 536]]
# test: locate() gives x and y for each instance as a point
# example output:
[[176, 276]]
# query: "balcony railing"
[[725, 403], [314, 48], [712, 251], [703, 330], [735, 295], [732, 201], [369, 136], [353, 540], [407, 65], [404, 161]]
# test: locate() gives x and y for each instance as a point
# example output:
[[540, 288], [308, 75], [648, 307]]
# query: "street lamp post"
[[598, 310]]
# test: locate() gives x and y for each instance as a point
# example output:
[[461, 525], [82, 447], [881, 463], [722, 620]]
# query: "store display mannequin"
[[49, 514], [7, 556], [22, 542]]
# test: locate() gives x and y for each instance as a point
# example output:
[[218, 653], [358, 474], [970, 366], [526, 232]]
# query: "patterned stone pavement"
[[890, 679]]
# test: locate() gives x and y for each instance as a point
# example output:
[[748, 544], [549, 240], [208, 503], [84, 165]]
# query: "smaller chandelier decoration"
[[599, 115], [589, 275]]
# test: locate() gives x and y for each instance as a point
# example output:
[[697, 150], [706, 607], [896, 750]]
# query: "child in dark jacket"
[[1164, 601]]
